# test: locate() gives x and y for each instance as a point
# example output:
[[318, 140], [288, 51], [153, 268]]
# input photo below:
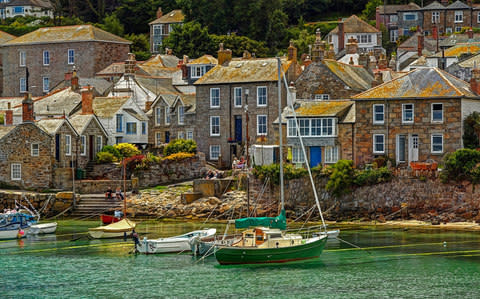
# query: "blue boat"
[[12, 225]]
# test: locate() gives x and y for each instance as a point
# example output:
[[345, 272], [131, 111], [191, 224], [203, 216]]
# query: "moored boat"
[[43, 228], [13, 225], [179, 243], [108, 219], [205, 245], [119, 229]]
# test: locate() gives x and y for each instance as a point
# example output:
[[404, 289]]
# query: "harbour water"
[[393, 263]]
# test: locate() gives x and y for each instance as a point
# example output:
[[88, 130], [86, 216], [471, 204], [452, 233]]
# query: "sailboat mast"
[[124, 188], [282, 196]]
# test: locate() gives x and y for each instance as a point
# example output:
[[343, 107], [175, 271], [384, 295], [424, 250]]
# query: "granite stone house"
[[37, 61], [415, 117], [228, 93], [326, 127], [388, 15], [161, 27], [35, 8]]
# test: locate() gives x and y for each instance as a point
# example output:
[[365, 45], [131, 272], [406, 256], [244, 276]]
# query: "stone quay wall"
[[47, 204], [407, 198]]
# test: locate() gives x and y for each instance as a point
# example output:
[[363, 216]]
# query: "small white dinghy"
[[179, 243], [44, 228]]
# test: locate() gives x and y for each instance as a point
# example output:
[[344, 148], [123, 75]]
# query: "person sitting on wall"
[[235, 162], [118, 193], [108, 193], [241, 164], [210, 175]]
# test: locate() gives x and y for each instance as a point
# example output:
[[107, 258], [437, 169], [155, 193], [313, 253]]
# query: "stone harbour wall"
[[408, 198], [47, 204]]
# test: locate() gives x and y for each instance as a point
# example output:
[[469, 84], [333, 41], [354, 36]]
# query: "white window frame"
[[364, 39], [46, 57], [180, 135], [432, 144], [259, 131], [133, 124], [322, 97], [258, 96], [167, 115], [237, 96], [375, 151], [158, 115], [181, 115], [292, 128], [331, 154], [158, 138], [46, 84], [431, 111], [22, 58], [197, 71], [311, 127], [83, 145], [119, 120], [71, 56], [158, 30], [144, 128], [404, 121], [410, 14], [16, 171], [68, 145], [297, 155], [375, 121], [23, 84], [189, 135], [435, 17], [213, 151], [99, 143], [214, 101], [35, 152], [478, 18], [458, 16], [212, 126]]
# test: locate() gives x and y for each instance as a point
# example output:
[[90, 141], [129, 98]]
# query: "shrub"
[[127, 150], [273, 171], [372, 176], [180, 146], [151, 158], [105, 157], [112, 150], [341, 179], [179, 156], [461, 165]]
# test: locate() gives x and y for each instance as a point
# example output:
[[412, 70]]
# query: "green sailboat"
[[266, 239]]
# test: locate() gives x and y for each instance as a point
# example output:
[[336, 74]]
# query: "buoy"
[[444, 243]]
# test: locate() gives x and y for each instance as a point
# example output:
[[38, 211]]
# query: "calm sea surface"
[[393, 264]]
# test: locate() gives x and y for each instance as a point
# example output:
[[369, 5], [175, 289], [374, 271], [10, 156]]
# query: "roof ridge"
[[448, 81], [357, 96]]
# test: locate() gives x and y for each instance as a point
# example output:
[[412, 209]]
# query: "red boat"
[[107, 219]]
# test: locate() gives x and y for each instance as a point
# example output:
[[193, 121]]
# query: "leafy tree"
[[277, 30], [127, 150], [341, 179], [190, 39], [140, 45], [238, 44], [304, 40], [112, 24], [136, 15], [370, 9], [471, 133]]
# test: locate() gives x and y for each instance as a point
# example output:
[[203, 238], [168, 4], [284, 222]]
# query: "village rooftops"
[[459, 38], [162, 61], [420, 83], [57, 102], [80, 122], [107, 107], [205, 59], [175, 16], [36, 3], [354, 24], [51, 125], [460, 49], [354, 76], [393, 9], [4, 130], [240, 70], [471, 62], [5, 37], [344, 110], [62, 34]]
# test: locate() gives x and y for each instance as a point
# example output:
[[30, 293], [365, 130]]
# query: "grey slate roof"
[[4, 130], [434, 6], [458, 5]]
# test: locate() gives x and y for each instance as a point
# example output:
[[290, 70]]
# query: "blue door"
[[315, 156], [238, 128]]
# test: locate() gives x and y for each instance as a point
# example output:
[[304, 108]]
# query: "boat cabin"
[[263, 237]]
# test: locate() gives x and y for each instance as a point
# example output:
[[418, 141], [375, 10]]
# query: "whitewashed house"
[[123, 119]]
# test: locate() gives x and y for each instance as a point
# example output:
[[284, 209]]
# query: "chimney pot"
[[341, 36], [148, 105], [87, 100], [27, 109], [8, 117], [420, 43], [292, 52], [159, 12], [224, 56], [475, 81]]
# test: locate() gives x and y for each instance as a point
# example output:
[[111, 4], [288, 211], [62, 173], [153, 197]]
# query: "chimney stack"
[[341, 36], [444, 2], [184, 68], [246, 55], [352, 46], [27, 109], [224, 56], [475, 81], [292, 95], [148, 105], [382, 62], [292, 52], [420, 43], [318, 51], [159, 12], [9, 115], [307, 61], [74, 81], [130, 65], [378, 79], [87, 100]]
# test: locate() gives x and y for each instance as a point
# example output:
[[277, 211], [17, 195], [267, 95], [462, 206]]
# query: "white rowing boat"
[[44, 228], [179, 243]]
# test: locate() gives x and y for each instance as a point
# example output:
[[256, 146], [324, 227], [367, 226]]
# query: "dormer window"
[[197, 71]]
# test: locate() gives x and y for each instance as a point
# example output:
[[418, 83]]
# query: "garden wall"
[[48, 204]]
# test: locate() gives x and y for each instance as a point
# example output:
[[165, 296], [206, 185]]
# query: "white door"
[[413, 148]]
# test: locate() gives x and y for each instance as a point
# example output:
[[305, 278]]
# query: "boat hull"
[[45, 228], [108, 235], [108, 219], [10, 234], [159, 246], [231, 255]]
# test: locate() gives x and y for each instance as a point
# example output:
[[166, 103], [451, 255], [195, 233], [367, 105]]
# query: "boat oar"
[[353, 245]]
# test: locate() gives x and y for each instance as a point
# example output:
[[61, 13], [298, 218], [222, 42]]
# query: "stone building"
[[24, 8], [37, 61], [388, 15], [26, 153], [415, 117], [161, 27], [326, 128], [228, 93]]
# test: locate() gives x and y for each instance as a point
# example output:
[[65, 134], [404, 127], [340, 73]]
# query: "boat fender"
[[21, 233]]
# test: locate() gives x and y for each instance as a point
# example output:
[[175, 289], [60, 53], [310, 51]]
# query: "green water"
[[394, 264]]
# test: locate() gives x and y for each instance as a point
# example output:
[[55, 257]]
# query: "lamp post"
[[246, 120]]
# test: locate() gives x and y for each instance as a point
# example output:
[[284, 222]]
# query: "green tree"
[[471, 126], [370, 9], [277, 31], [140, 45], [303, 41], [112, 24], [190, 39], [136, 15], [341, 179], [238, 44]]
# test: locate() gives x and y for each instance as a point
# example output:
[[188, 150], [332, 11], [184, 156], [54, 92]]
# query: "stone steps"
[[94, 205]]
